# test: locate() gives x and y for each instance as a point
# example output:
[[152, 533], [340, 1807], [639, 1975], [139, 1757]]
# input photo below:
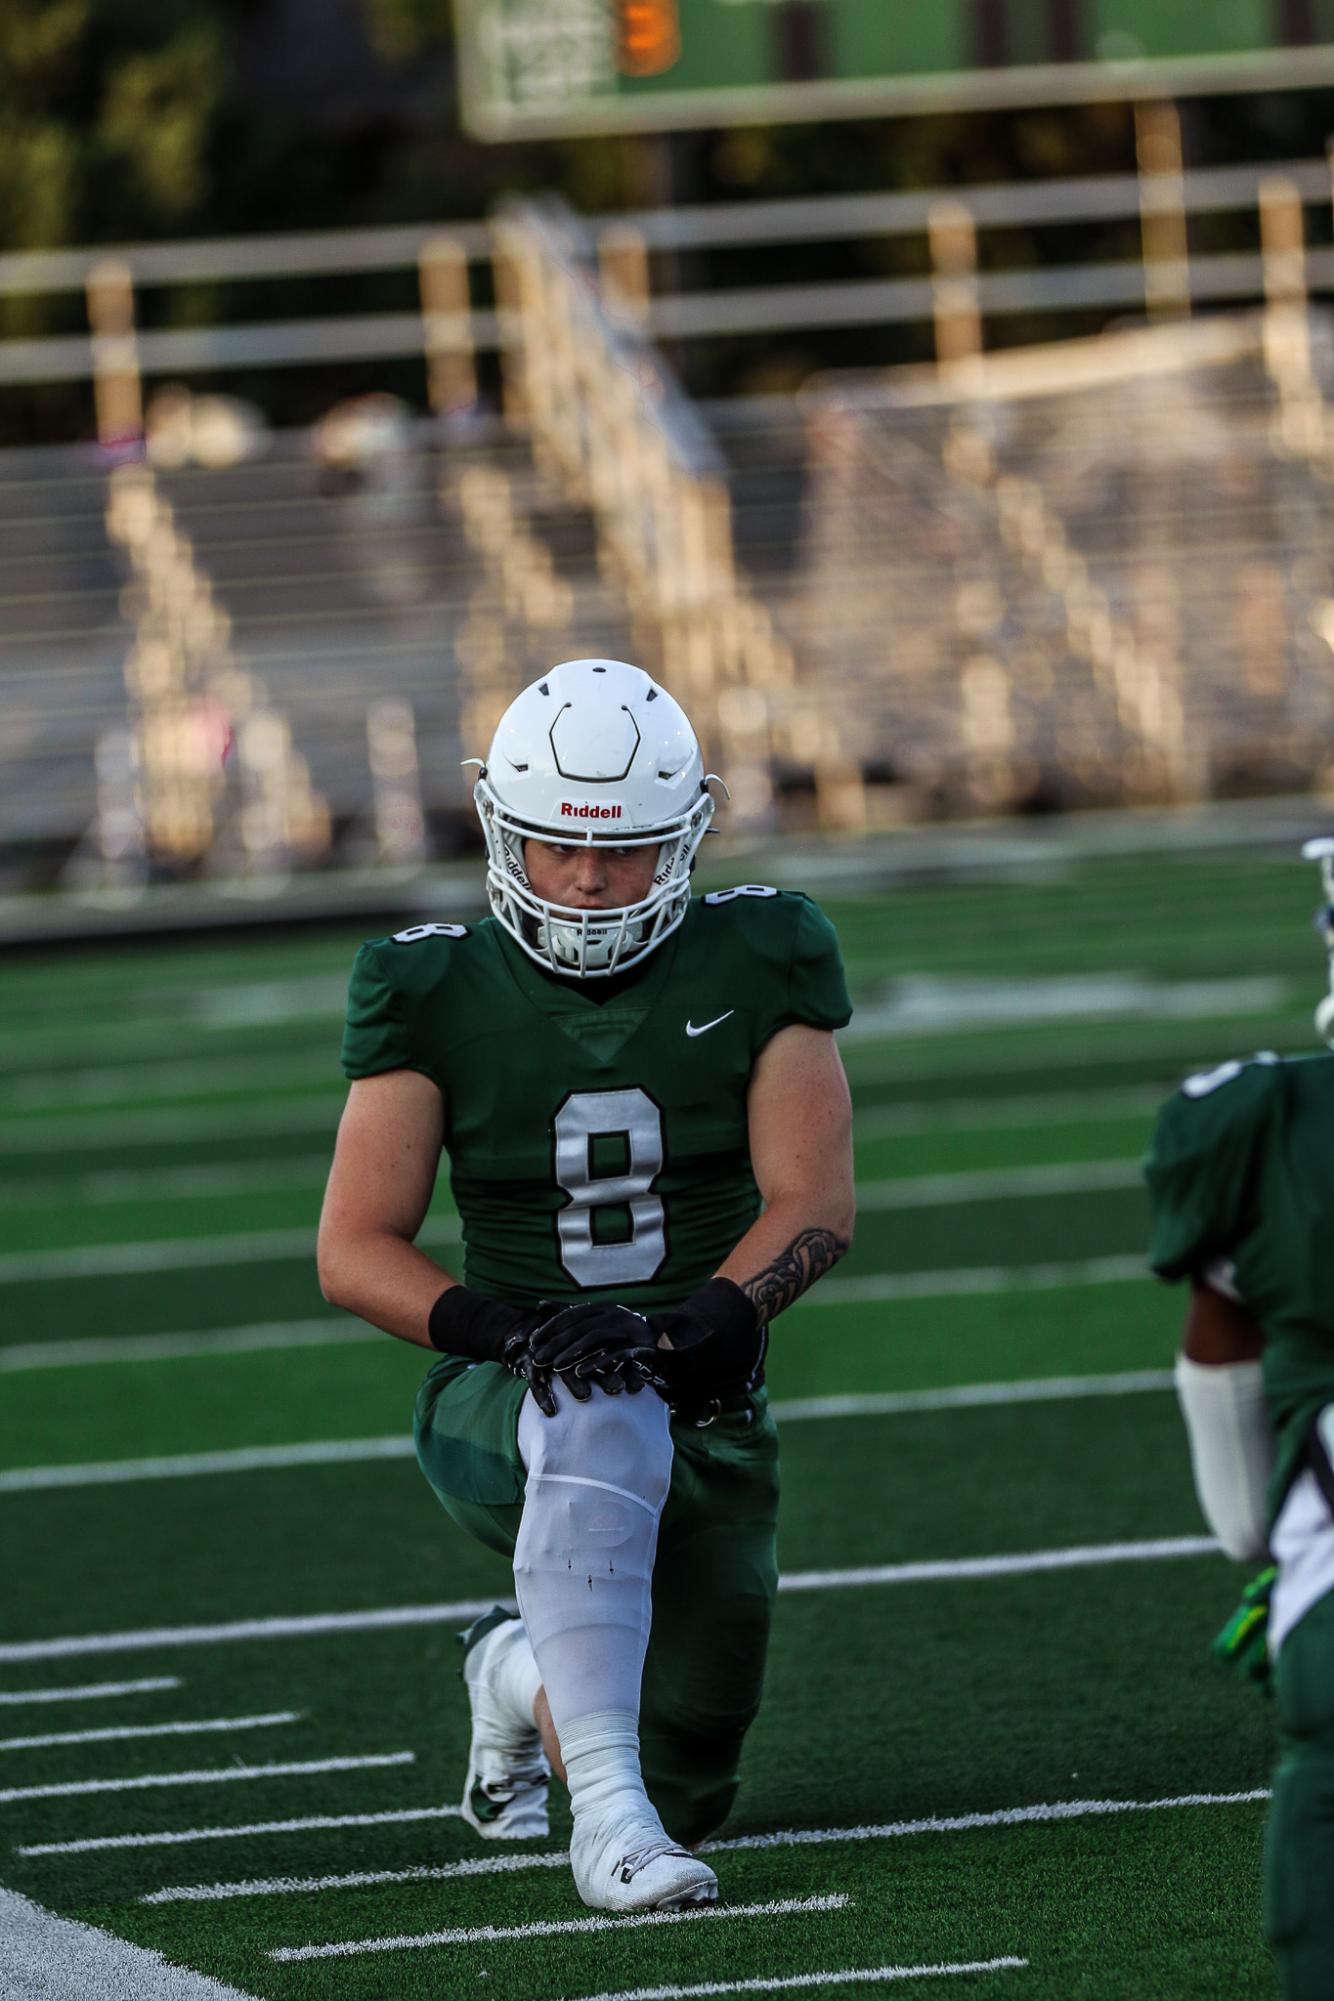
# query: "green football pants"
[[714, 1578], [1299, 1841]]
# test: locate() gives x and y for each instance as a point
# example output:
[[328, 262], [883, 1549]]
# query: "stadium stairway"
[[340, 592]]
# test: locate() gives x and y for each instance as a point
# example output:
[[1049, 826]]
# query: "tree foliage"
[[107, 116]]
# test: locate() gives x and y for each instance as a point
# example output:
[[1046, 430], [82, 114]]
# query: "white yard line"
[[258, 1176], [46, 1958], [119, 1129], [1031, 1562], [173, 1078], [163, 1254], [89, 1691], [116, 1733], [114, 1130], [555, 1928], [966, 1823], [503, 1864], [212, 1775], [871, 1287], [932, 1004], [928, 1191], [190, 1465], [965, 1280], [264, 1335], [306, 1626], [397, 1445], [257, 1246], [782, 1983], [973, 1396], [158, 1184], [904, 1061], [182, 1253], [1053, 1108], [792, 1837], [1000, 1184], [308, 1823]]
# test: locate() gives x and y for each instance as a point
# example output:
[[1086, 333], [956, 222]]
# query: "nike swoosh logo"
[[704, 1027]]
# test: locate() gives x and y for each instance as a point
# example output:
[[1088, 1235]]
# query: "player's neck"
[[599, 991]]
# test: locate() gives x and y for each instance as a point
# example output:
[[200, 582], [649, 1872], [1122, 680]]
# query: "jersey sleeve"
[[377, 1034], [1201, 1165], [815, 990]]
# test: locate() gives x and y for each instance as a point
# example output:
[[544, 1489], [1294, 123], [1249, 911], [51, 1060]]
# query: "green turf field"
[[993, 1750]]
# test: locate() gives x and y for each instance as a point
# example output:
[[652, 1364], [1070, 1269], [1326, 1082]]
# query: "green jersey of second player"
[[596, 1131], [1241, 1177]]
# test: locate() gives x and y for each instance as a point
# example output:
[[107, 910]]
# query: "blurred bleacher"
[[1101, 572], [336, 598], [1090, 572]]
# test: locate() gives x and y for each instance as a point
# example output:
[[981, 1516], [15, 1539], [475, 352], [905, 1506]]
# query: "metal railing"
[[1162, 196]]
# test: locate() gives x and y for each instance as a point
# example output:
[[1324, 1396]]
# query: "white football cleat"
[[505, 1796], [630, 1863]]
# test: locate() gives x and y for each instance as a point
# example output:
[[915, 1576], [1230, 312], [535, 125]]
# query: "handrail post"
[[1287, 340], [955, 308], [117, 390], [451, 369], [624, 271], [1164, 249]]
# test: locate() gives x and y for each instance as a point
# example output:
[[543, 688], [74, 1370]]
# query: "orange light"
[[649, 36]]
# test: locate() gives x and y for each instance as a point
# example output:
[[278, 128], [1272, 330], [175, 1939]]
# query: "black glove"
[[596, 1343], [517, 1357], [466, 1322], [717, 1342]]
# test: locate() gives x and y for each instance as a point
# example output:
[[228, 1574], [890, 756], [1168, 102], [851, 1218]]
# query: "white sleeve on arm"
[[1231, 1450]]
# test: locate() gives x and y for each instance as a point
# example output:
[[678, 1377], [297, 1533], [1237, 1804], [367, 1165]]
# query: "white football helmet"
[[1322, 851], [594, 751]]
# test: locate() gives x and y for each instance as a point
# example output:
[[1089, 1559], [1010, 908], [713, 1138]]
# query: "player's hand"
[[470, 1323], [596, 1343], [716, 1342], [517, 1357], [1243, 1644]]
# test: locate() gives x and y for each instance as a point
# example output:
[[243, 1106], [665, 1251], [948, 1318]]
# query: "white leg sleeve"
[[598, 1474], [1231, 1449]]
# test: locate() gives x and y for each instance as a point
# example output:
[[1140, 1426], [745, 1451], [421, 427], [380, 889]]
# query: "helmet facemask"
[[583, 943]]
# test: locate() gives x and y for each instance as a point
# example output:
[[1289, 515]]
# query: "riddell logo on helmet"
[[569, 811]]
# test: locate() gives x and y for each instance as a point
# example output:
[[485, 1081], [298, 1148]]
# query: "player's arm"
[[799, 1125], [379, 1190], [799, 1122], [1222, 1399], [377, 1196]]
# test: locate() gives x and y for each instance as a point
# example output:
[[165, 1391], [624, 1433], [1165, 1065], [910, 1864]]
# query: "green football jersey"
[[596, 1131], [1241, 1182]]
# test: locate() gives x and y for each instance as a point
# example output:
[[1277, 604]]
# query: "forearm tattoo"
[[808, 1257]]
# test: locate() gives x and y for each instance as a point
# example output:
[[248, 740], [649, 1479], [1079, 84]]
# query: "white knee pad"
[[598, 1475]]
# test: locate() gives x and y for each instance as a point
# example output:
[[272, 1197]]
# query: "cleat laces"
[[630, 1864]]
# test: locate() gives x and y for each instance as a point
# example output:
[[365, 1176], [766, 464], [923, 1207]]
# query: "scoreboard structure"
[[538, 68]]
